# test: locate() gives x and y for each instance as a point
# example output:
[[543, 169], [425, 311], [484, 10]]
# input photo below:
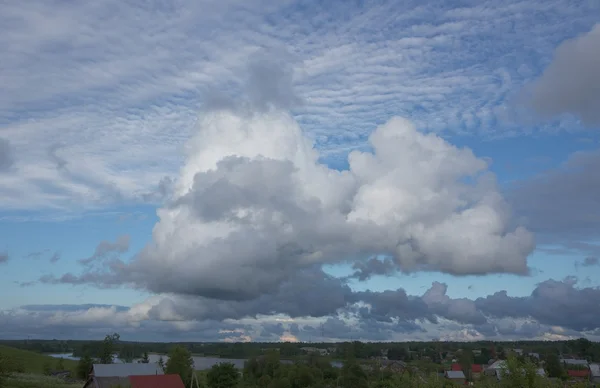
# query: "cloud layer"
[[88, 108], [6, 155], [319, 307]]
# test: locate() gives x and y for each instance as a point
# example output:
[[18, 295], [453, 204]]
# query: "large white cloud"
[[253, 206]]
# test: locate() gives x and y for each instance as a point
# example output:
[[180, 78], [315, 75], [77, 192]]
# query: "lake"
[[200, 363]]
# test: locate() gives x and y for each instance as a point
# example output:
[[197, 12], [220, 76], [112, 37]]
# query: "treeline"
[[406, 351], [316, 372]]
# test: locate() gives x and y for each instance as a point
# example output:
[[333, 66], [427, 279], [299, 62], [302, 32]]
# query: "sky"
[[300, 170]]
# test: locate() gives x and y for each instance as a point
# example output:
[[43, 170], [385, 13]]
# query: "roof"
[[497, 364], [393, 363], [107, 382], [125, 370], [455, 374], [595, 369], [156, 381], [572, 361], [476, 368], [541, 372], [578, 373]]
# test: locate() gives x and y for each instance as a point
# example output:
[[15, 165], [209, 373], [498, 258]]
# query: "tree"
[[127, 353], [108, 348], [161, 363], [516, 373], [145, 359], [553, 366], [352, 375], [84, 366], [181, 363], [397, 353], [223, 375], [466, 362]]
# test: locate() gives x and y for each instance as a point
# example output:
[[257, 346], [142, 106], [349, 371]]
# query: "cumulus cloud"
[[6, 155], [571, 83], [459, 310], [557, 303], [55, 257], [364, 270], [107, 248], [253, 205]]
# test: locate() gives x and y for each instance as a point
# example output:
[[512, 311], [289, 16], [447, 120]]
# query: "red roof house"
[[475, 368], [156, 381], [579, 373]]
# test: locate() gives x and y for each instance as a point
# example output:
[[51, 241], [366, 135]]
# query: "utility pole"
[[194, 379]]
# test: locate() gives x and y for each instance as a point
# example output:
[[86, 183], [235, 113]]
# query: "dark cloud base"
[[318, 306]]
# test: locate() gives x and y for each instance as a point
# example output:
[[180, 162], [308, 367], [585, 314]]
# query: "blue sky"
[[184, 158]]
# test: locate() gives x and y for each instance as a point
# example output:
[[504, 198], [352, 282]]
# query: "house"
[[595, 373], [577, 370], [393, 366], [571, 361], [495, 367], [541, 372], [156, 381], [455, 375], [311, 350], [579, 375], [108, 375], [498, 367], [476, 370]]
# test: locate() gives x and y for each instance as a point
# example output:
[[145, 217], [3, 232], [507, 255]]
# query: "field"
[[27, 380], [33, 362]]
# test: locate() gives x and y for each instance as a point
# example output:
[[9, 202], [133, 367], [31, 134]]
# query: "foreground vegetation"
[[23, 361], [25, 380]]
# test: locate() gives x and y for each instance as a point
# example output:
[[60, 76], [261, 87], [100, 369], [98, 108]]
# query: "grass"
[[33, 362], [28, 380]]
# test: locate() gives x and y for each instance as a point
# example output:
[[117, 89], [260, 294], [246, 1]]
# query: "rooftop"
[[572, 361], [578, 373], [156, 381], [124, 370], [455, 374]]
